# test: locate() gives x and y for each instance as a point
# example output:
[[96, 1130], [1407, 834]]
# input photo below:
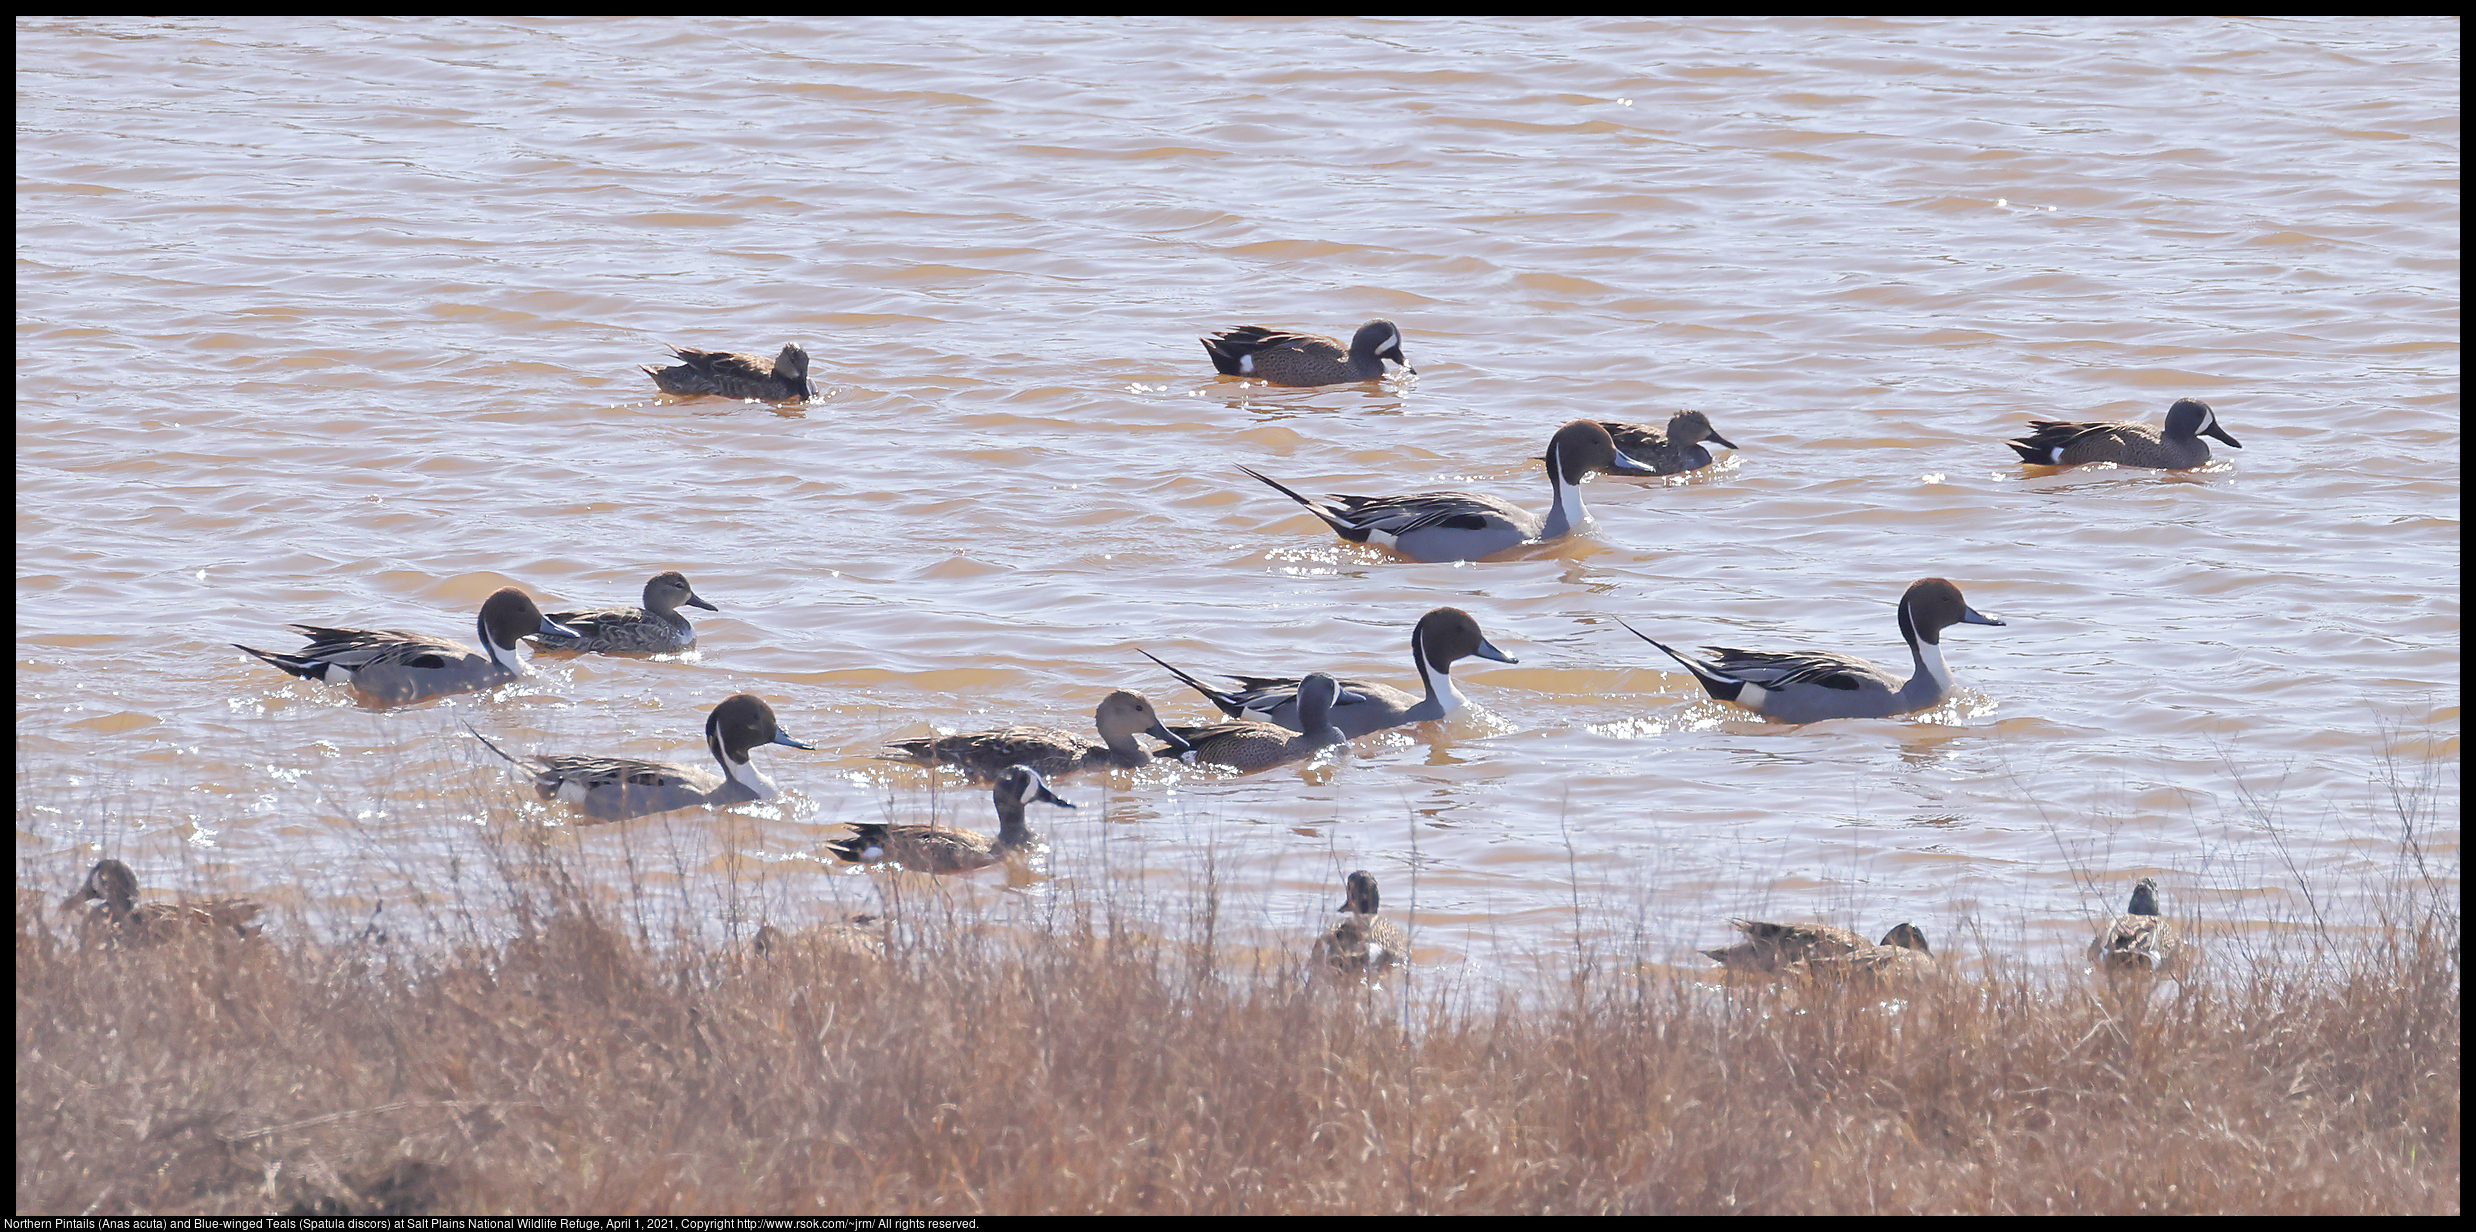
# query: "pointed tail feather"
[[1228, 704]]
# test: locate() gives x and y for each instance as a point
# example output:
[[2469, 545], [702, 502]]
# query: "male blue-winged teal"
[[654, 628], [115, 918], [395, 667], [1901, 956], [1249, 745], [1286, 357], [1670, 451], [618, 788], [1440, 526], [1442, 637], [1120, 718], [2140, 939], [2125, 443], [728, 375], [1804, 686], [937, 849], [1364, 943]]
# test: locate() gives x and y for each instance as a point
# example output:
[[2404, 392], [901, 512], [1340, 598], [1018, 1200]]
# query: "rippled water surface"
[[339, 321]]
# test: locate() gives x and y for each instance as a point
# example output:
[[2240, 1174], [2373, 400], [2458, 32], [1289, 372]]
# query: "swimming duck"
[[1365, 943], [2140, 939], [1286, 357], [2127, 443], [1443, 636], [394, 667], [937, 849], [1672, 451], [654, 628], [1805, 686], [618, 788], [117, 919], [1250, 745], [1902, 955], [984, 755], [728, 375], [1771, 948], [1442, 526]]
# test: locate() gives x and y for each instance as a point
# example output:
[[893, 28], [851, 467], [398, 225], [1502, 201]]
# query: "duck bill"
[[2221, 433], [1177, 743], [555, 629], [1624, 465], [1717, 439], [1487, 650], [783, 737], [1972, 616]]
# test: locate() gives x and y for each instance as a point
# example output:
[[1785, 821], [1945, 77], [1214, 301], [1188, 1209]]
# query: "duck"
[[1671, 451], [1806, 686], [1446, 526], [115, 918], [1441, 638], [619, 788], [1902, 955], [937, 849], [394, 667], [2140, 939], [1286, 357], [729, 375], [2179, 447], [1121, 717], [1248, 745], [1365, 943], [655, 628], [1772, 948]]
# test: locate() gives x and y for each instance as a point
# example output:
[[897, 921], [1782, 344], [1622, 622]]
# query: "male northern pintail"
[[1770, 948], [1902, 956], [396, 667], [1285, 357], [1121, 717], [937, 849], [1437, 526], [652, 629], [729, 375], [116, 918], [2125, 443], [2140, 939], [1803, 686], [1674, 450], [618, 788], [1249, 745], [1443, 636], [1365, 943]]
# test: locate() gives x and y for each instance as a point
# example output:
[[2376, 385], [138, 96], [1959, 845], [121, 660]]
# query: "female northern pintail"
[[395, 667], [1438, 526], [1249, 745], [729, 375], [2179, 447], [2140, 939], [1365, 943], [1121, 717], [1770, 948], [936, 849], [1442, 636], [651, 629], [1285, 357], [117, 918], [618, 788], [1903, 955], [1804, 686], [1672, 451]]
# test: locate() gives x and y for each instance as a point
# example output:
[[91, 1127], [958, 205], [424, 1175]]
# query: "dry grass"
[[578, 1069]]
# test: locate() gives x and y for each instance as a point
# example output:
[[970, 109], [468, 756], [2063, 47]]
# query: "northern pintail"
[[1804, 686], [652, 629], [116, 918], [937, 849], [1286, 357], [1120, 718], [618, 788], [1672, 451], [396, 667], [2140, 939], [1438, 526], [1248, 745], [1365, 943], [1771, 948], [1443, 636], [1902, 955], [728, 375], [2125, 443]]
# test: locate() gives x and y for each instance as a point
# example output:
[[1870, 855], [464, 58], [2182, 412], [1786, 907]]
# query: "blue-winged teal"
[[1804, 686], [1285, 357], [1121, 717], [395, 667], [937, 849], [1249, 745], [1442, 637], [2179, 447], [113, 916], [1672, 451], [2140, 939], [1364, 943], [1903, 955], [728, 375]]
